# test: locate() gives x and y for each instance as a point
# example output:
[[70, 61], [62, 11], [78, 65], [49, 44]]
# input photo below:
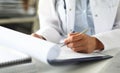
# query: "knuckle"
[[72, 38], [74, 49], [72, 44], [68, 46]]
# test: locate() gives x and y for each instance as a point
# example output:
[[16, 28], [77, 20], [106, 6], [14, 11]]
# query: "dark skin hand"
[[83, 43]]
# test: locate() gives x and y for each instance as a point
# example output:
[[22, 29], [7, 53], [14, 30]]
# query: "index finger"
[[73, 38]]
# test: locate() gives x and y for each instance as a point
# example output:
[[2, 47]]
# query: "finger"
[[80, 49], [76, 44], [83, 49], [35, 35], [73, 34], [74, 38], [67, 40], [38, 36]]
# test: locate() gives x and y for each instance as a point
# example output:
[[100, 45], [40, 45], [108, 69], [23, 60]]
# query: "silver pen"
[[63, 44]]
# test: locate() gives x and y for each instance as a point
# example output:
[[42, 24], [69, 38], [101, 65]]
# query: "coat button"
[[96, 15], [70, 9]]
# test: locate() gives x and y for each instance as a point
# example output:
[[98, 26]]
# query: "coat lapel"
[[104, 13]]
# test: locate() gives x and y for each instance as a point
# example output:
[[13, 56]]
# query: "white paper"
[[37, 48], [42, 50], [67, 53], [10, 55]]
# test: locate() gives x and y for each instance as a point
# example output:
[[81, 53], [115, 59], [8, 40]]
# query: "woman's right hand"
[[38, 36]]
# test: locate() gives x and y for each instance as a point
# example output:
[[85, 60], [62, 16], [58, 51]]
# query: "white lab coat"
[[106, 16]]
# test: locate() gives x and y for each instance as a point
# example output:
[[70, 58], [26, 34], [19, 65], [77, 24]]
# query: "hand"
[[38, 36], [83, 43]]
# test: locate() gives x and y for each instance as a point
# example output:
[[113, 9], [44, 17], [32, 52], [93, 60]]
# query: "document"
[[47, 52], [9, 57], [12, 61]]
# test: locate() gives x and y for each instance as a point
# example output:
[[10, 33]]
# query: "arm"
[[49, 21], [111, 39], [106, 40], [87, 44]]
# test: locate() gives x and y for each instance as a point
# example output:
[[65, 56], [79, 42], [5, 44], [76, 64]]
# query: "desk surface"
[[104, 66]]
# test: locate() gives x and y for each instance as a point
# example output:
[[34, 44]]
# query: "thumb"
[[71, 34]]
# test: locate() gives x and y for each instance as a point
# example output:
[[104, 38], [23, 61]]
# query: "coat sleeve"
[[111, 39], [49, 20], [117, 20]]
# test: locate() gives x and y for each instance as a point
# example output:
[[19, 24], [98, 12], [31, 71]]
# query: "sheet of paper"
[[42, 50], [37, 48], [10, 55], [67, 53]]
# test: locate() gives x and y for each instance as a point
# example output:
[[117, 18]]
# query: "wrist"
[[99, 45]]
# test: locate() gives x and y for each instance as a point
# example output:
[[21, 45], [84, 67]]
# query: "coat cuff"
[[50, 34], [109, 39]]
